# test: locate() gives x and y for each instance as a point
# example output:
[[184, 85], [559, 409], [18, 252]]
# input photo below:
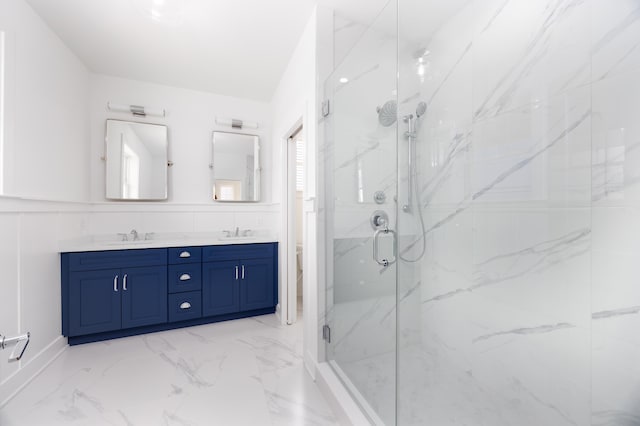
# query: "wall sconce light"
[[136, 110], [235, 123]]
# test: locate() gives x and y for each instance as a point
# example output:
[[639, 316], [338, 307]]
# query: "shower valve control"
[[379, 220]]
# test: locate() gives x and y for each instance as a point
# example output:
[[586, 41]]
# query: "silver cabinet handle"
[[185, 305], [115, 283], [376, 239], [236, 272], [243, 272], [185, 254], [185, 277], [124, 282]]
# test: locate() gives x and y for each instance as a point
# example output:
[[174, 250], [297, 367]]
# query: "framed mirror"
[[136, 161], [235, 167]]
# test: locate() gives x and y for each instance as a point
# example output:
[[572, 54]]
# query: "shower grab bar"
[[5, 342], [376, 238]]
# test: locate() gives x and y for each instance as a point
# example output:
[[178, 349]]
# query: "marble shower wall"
[[615, 204], [525, 309]]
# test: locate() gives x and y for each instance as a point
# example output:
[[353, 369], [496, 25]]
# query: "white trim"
[[288, 238], [338, 397], [10, 387]]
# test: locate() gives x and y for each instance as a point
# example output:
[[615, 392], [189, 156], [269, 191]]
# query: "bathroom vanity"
[[122, 292]]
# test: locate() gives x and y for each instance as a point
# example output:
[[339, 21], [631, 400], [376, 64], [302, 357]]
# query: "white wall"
[[44, 157], [295, 98], [190, 120], [46, 103]]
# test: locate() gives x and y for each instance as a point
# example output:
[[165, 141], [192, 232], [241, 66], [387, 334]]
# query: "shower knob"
[[379, 220]]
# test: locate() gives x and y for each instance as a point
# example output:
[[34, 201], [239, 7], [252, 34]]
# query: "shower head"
[[421, 109], [388, 113]]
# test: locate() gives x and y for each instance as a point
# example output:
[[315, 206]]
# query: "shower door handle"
[[376, 240]]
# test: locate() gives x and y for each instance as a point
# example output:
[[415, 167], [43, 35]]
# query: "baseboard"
[[340, 400], [310, 364], [279, 314], [31, 369]]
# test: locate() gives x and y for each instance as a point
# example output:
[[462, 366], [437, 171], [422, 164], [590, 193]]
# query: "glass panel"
[[361, 170], [494, 317]]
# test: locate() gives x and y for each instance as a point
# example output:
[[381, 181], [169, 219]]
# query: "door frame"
[[290, 289]]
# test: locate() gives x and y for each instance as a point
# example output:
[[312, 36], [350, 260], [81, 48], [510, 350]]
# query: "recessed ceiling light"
[[344, 80]]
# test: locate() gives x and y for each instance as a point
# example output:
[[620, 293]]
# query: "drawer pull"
[[185, 277], [185, 305], [185, 254]]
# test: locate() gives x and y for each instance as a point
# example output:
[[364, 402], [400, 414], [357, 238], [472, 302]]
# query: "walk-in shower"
[[508, 149]]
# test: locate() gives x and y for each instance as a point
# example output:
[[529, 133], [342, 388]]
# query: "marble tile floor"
[[242, 372]]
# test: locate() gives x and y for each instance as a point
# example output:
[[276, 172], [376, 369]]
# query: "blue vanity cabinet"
[[220, 288], [117, 293], [238, 278], [94, 304], [144, 296], [185, 284], [257, 286], [113, 290]]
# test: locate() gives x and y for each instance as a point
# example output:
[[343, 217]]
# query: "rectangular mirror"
[[136, 161], [235, 167]]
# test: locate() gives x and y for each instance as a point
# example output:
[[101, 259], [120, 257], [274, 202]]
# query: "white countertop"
[[161, 240]]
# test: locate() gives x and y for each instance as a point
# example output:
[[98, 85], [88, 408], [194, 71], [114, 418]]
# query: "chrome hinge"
[[326, 108], [326, 333]]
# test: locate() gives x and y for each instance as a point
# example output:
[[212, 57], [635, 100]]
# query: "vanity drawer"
[[185, 306], [179, 255], [96, 260], [186, 277], [238, 251]]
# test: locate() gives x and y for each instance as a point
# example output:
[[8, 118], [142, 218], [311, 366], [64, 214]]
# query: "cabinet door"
[[94, 301], [144, 296], [220, 288], [256, 289]]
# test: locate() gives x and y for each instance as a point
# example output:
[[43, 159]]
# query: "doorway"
[[295, 189]]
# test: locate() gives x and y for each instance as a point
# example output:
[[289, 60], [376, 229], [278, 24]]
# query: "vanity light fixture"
[[136, 110], [235, 123]]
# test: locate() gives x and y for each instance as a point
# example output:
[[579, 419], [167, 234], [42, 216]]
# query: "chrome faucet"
[[134, 235]]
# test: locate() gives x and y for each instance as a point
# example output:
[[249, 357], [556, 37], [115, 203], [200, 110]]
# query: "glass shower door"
[[361, 180]]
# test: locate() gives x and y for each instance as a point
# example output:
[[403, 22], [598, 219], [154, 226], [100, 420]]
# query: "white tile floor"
[[242, 372]]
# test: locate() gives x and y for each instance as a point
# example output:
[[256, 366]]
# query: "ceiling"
[[230, 47]]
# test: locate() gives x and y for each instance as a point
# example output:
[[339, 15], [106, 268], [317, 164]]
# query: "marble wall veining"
[[358, 156], [525, 307]]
